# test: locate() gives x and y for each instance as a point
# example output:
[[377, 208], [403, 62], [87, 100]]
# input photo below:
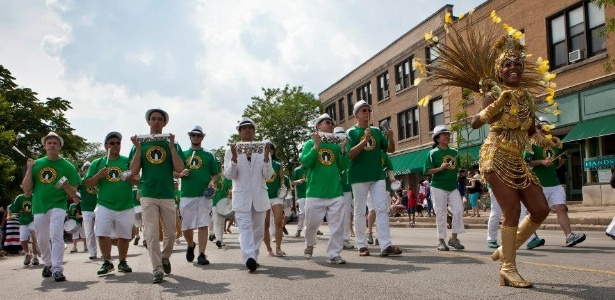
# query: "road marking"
[[554, 266]]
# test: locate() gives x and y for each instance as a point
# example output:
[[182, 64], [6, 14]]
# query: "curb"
[[575, 227]]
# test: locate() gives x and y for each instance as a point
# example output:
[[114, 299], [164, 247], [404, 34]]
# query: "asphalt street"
[[586, 271]]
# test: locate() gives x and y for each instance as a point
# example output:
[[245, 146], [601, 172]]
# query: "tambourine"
[[61, 182], [153, 137], [209, 193], [71, 226], [224, 208], [282, 192], [334, 138], [125, 175], [395, 185]]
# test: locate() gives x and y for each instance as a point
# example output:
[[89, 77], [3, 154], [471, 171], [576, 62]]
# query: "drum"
[[71, 226], [61, 182], [209, 193], [224, 208], [395, 185]]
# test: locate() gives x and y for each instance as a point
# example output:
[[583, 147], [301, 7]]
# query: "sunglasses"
[[114, 143], [196, 135], [366, 110], [327, 122]]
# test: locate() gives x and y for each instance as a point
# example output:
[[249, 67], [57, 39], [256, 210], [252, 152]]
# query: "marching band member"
[[23, 206], [50, 179], [250, 200], [274, 184], [299, 179], [200, 173], [157, 160], [88, 204]]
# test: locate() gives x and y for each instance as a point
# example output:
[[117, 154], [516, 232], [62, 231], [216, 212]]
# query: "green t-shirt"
[[113, 193], [88, 197], [299, 173], [23, 206], [74, 212], [157, 169], [447, 179], [202, 167], [274, 183], [135, 201], [546, 175], [222, 187], [324, 167], [45, 174], [366, 167], [346, 187], [386, 165]]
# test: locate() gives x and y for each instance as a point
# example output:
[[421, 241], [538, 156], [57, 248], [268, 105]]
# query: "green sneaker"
[[157, 277], [166, 265], [123, 267], [535, 243], [493, 245], [106, 267]]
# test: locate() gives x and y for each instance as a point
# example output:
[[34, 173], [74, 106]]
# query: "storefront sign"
[[602, 162]]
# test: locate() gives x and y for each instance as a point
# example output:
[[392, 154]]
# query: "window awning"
[[412, 162], [591, 128]]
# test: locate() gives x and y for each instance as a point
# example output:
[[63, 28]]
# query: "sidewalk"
[[582, 217]]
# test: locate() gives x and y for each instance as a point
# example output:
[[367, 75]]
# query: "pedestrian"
[[299, 179], [324, 162], [441, 163], [610, 230], [51, 180], [411, 206], [115, 214], [23, 207], [74, 213], [474, 190], [461, 186], [249, 170], [200, 173], [156, 160]]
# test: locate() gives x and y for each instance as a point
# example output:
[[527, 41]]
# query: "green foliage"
[[24, 119], [461, 126], [283, 116], [609, 27]]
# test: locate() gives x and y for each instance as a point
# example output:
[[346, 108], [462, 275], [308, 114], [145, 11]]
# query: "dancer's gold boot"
[[508, 267]]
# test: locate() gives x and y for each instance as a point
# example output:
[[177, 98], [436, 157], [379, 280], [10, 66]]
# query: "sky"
[[201, 61]]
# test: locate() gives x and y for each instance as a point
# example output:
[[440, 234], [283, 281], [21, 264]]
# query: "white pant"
[[88, 226], [494, 219], [50, 226], [346, 209], [378, 192], [440, 199], [301, 214], [251, 232], [24, 232], [315, 211], [611, 229], [218, 224]]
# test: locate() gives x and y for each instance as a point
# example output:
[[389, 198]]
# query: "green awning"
[[470, 154], [591, 128], [411, 162]]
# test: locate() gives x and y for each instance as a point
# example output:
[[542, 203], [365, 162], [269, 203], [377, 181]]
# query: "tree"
[[283, 117], [609, 27], [462, 128], [24, 119]]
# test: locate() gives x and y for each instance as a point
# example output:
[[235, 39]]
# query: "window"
[[364, 92], [350, 104], [340, 104], [383, 86], [436, 113], [405, 73], [331, 111], [431, 54], [408, 123], [574, 34]]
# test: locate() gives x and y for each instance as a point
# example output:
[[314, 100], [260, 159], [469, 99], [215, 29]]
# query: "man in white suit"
[[248, 171]]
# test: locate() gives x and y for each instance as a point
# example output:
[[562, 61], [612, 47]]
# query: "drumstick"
[[192, 156], [560, 155], [108, 153], [17, 150]]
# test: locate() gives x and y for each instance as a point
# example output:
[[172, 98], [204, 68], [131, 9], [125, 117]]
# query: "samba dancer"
[[115, 215], [157, 160], [200, 173], [50, 180], [324, 162], [364, 149], [248, 172]]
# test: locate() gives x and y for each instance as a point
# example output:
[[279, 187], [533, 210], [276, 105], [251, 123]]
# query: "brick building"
[[563, 31]]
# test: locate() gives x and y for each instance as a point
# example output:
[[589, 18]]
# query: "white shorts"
[[195, 212], [555, 195], [114, 224], [79, 234], [24, 231], [276, 201]]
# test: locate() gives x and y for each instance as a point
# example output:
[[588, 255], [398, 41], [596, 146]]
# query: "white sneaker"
[[35, 261], [338, 260], [307, 253], [574, 238], [27, 259], [347, 245]]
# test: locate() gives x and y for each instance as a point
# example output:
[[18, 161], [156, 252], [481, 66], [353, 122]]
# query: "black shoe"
[[219, 244], [202, 259], [136, 240], [58, 276], [251, 264], [190, 253], [212, 237], [145, 244], [47, 271], [284, 230], [166, 265]]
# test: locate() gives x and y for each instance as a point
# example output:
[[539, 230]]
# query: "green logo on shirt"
[[326, 156], [47, 175], [195, 163]]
